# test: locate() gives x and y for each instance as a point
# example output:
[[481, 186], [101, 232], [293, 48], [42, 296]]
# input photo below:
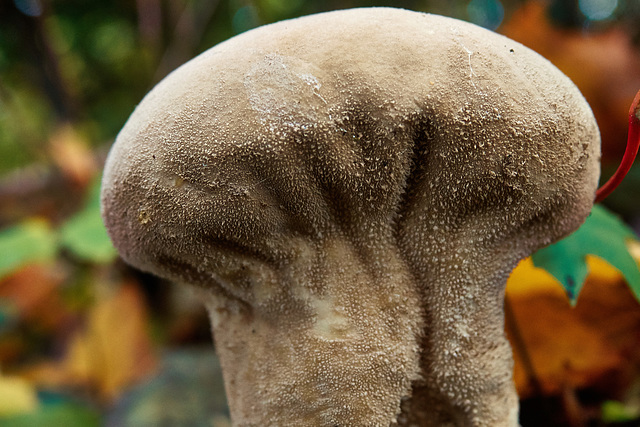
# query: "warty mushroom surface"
[[349, 192]]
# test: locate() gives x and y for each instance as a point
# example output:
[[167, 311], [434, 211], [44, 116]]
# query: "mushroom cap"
[[351, 123]]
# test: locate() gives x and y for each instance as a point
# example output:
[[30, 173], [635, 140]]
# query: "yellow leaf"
[[527, 279], [16, 396]]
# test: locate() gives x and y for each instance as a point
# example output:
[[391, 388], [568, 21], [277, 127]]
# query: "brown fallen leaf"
[[594, 344]]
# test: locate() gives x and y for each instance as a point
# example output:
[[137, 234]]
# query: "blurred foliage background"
[[84, 340]]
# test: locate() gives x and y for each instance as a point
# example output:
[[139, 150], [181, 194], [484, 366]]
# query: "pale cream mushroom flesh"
[[349, 191]]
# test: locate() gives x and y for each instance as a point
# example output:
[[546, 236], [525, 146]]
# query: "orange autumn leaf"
[[592, 344], [111, 352], [71, 154], [34, 292], [115, 349]]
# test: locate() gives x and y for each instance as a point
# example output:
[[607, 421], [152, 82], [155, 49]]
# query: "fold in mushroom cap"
[[350, 191]]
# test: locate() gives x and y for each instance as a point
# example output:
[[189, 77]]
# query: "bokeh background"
[[87, 341]]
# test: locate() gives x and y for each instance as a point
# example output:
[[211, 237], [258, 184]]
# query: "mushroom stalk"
[[466, 364], [349, 192], [344, 353]]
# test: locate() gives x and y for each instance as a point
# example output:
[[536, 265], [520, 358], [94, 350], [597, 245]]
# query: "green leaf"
[[85, 235], [617, 412], [29, 242], [61, 413], [603, 235]]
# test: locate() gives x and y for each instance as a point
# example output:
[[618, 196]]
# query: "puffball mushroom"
[[349, 192]]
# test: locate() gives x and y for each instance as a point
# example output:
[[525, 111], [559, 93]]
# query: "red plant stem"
[[633, 142]]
